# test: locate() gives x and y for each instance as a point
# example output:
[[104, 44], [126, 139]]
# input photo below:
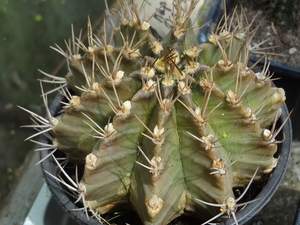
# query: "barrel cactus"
[[164, 127]]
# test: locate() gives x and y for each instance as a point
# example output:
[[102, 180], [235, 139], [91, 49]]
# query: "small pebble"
[[287, 39], [259, 12], [292, 50]]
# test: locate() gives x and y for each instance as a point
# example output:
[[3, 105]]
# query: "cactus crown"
[[165, 127]]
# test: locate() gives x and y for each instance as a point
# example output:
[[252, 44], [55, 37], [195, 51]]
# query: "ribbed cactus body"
[[161, 124]]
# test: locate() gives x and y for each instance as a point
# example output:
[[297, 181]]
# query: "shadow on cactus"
[[164, 127]]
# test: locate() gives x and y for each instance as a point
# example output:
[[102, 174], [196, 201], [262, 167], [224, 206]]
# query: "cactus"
[[286, 11], [164, 127]]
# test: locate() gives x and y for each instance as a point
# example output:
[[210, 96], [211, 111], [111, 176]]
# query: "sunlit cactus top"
[[165, 126]]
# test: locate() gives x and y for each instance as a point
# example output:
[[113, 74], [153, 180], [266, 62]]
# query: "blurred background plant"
[[27, 29], [286, 11]]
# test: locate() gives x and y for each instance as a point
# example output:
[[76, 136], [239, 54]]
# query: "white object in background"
[[38, 209], [161, 20]]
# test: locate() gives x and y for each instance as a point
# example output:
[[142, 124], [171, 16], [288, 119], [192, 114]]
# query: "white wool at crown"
[[161, 22]]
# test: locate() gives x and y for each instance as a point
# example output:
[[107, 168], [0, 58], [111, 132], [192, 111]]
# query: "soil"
[[274, 33]]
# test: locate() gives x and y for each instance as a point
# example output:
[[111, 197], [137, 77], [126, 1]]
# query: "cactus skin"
[[158, 125]]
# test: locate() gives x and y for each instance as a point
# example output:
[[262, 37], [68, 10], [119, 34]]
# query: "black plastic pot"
[[297, 216], [58, 191], [65, 200]]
